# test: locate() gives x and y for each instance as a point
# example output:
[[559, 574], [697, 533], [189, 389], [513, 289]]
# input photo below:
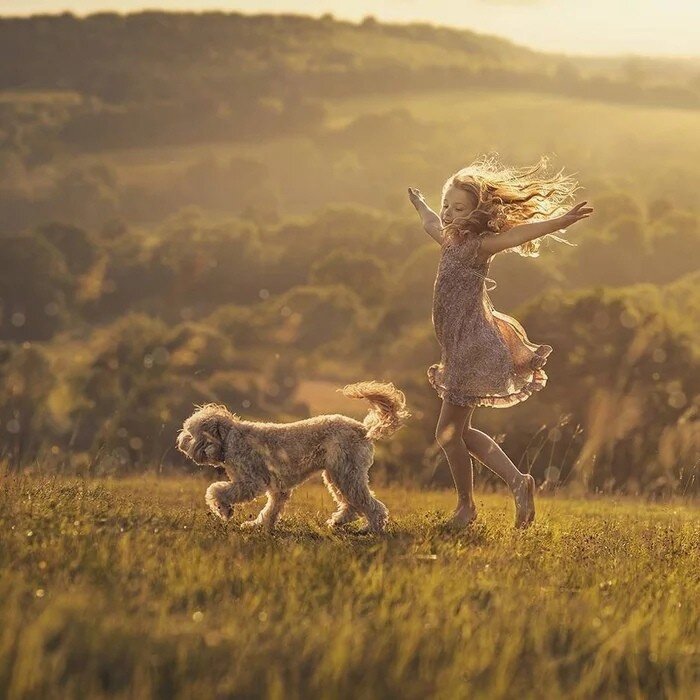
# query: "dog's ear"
[[216, 431], [222, 427]]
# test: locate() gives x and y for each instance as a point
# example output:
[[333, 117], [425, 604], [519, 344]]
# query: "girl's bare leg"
[[486, 450], [449, 436]]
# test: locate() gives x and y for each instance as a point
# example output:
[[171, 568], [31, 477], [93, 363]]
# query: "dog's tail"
[[388, 411]]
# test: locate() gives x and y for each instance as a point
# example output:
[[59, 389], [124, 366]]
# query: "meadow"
[[264, 252], [130, 588], [212, 208]]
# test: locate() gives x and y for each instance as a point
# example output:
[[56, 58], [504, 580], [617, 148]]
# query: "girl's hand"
[[513, 237], [416, 198], [431, 221], [576, 214]]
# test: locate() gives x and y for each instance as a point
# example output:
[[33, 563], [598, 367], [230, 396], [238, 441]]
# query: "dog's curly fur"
[[274, 458]]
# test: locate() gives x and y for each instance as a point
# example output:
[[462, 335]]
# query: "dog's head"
[[204, 433]]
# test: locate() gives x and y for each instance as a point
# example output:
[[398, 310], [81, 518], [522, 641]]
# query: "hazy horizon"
[[600, 28]]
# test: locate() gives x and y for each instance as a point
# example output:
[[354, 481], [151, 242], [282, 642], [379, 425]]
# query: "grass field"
[[131, 589]]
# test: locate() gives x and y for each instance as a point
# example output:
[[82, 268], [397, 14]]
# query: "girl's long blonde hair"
[[506, 197]]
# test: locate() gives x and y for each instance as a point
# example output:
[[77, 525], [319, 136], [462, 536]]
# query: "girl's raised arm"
[[431, 221], [496, 242]]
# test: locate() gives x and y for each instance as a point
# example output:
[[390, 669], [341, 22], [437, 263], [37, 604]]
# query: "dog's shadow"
[[431, 528]]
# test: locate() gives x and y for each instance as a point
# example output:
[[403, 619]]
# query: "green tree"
[[624, 372], [35, 287], [79, 248], [364, 274], [26, 378]]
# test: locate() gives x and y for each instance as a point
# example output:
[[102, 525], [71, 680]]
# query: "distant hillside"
[[163, 56]]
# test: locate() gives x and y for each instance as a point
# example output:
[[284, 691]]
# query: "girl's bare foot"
[[525, 502], [463, 516]]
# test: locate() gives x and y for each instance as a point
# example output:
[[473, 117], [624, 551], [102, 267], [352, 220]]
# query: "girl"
[[487, 359]]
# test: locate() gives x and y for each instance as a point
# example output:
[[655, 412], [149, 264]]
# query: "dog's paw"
[[257, 525], [340, 519], [220, 510], [222, 514], [250, 524], [334, 524], [376, 529], [366, 530]]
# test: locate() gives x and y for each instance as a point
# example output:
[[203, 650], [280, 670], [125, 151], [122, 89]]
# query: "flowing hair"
[[506, 197]]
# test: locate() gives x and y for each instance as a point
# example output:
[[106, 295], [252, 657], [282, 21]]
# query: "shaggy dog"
[[274, 458]]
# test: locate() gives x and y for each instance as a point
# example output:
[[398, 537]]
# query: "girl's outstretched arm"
[[431, 221], [496, 242]]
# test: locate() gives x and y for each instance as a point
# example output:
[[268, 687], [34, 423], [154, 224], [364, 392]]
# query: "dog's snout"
[[184, 440]]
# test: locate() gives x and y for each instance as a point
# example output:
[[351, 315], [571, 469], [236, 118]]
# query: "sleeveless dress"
[[487, 358]]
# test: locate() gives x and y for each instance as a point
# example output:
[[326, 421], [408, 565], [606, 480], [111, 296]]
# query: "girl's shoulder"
[[465, 238]]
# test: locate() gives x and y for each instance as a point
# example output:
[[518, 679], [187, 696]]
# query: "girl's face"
[[456, 204]]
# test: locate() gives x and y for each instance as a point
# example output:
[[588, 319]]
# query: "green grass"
[[131, 589]]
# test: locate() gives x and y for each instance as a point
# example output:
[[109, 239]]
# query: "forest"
[[212, 207]]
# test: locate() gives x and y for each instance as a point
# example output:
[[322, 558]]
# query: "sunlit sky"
[[601, 27]]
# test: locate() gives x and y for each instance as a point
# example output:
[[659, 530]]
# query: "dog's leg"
[[351, 478], [222, 495], [269, 515], [345, 513]]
